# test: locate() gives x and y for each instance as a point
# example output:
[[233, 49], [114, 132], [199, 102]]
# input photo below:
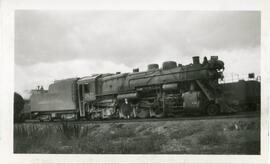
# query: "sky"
[[52, 45]]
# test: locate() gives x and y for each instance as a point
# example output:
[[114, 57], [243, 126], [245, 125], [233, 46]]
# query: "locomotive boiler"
[[157, 92]]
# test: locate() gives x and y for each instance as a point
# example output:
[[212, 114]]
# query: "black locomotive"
[[157, 92]]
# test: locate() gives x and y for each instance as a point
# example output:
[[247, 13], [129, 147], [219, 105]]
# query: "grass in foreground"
[[186, 137]]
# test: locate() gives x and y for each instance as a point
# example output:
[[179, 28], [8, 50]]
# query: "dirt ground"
[[218, 136]]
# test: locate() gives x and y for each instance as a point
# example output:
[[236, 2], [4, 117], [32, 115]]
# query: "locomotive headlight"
[[216, 74], [220, 65]]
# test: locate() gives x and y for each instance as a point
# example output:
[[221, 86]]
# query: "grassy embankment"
[[232, 136]]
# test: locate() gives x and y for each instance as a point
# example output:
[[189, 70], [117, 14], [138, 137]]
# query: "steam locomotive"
[[157, 92]]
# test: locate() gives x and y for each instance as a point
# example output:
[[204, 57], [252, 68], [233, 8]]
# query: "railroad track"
[[183, 118]]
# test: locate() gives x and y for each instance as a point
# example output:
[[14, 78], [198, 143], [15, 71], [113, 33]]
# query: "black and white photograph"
[[137, 82]]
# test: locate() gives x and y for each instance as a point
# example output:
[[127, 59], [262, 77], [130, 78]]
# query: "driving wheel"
[[212, 110]]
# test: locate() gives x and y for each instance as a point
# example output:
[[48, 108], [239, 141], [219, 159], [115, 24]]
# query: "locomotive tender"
[[157, 92]]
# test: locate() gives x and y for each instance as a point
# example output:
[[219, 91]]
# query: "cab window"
[[86, 88]]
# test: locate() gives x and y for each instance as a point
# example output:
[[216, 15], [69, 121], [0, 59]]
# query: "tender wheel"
[[212, 110]]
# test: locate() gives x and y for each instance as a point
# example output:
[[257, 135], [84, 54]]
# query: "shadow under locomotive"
[[158, 92]]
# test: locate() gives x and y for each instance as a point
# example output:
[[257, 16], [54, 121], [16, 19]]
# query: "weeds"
[[213, 135], [214, 138], [120, 133], [192, 137], [84, 139], [25, 138], [70, 131], [186, 131], [124, 145]]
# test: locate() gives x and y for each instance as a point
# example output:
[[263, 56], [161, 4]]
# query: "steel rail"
[[235, 116]]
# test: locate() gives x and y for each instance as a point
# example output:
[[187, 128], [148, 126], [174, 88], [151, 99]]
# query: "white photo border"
[[8, 8]]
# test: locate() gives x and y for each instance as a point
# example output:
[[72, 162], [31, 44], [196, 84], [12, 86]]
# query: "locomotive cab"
[[86, 93]]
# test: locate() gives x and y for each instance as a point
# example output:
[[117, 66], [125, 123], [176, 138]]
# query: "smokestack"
[[196, 59], [214, 58]]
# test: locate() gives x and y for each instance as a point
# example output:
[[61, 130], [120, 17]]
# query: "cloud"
[[29, 77], [52, 45], [239, 61], [129, 37]]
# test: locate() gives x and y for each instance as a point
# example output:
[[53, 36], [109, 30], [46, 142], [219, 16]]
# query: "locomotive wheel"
[[212, 110], [158, 112], [142, 112], [90, 116]]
